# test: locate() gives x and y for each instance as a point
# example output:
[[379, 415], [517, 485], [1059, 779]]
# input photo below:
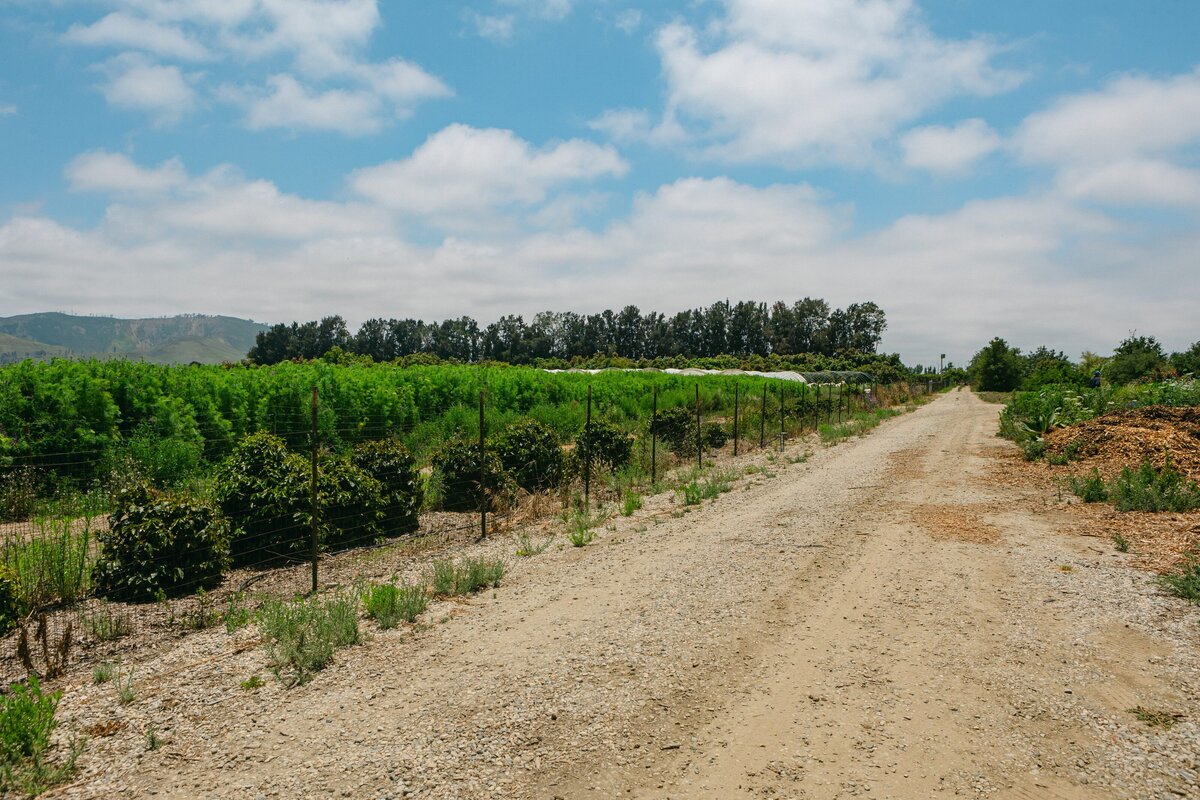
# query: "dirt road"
[[893, 617]]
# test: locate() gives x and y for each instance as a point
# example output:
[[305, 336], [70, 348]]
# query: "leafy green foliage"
[[458, 463], [157, 543], [10, 609], [1149, 488], [1136, 358], [264, 492], [677, 428], [448, 579], [27, 719], [997, 367], [530, 452], [303, 635], [351, 502], [53, 565], [605, 444], [1185, 580], [1090, 489], [18, 494], [390, 463]]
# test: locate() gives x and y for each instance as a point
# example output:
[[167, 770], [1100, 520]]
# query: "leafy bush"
[[677, 428], [157, 543], [1091, 489], [1151, 489], [530, 452], [714, 437], [303, 635], [389, 462], [18, 494], [10, 609], [264, 492], [351, 503], [27, 719], [605, 444], [457, 462]]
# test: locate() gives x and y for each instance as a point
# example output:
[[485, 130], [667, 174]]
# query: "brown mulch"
[[1131, 436]]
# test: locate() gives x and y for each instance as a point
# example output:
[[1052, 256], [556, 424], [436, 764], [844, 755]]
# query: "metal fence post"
[[699, 440], [762, 420], [483, 495], [587, 454], [314, 510], [735, 419], [654, 440], [782, 434]]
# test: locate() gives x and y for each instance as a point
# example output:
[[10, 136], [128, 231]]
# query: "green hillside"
[[165, 340]]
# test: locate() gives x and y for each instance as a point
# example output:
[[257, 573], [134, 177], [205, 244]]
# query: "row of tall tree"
[[745, 328]]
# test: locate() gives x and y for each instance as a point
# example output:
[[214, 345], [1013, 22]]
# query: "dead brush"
[[55, 651]]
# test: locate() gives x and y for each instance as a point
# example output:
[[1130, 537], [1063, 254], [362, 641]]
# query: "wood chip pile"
[[1128, 437]]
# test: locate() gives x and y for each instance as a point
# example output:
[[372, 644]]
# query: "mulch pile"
[[1127, 438]]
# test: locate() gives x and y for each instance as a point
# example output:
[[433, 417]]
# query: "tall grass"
[[53, 562]]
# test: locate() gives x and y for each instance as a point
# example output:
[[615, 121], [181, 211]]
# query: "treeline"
[[743, 329]]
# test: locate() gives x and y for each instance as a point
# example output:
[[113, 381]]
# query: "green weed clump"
[[1151, 489], [52, 566], [526, 546], [27, 719], [302, 635], [1185, 581], [467, 577], [631, 503], [581, 525], [389, 605], [1090, 489]]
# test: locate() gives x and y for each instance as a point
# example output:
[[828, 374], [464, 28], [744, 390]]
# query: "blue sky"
[[1023, 169]]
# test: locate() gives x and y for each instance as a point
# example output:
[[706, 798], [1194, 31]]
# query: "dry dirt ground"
[[897, 616]]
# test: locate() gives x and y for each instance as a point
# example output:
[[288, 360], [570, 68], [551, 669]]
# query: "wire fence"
[[81, 562]]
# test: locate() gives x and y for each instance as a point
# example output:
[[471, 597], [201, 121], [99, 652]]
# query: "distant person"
[[1095, 381]]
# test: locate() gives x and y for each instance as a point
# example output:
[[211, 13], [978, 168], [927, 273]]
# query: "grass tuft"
[[302, 635]]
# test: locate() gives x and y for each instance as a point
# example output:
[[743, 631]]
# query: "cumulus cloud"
[[136, 84], [464, 176], [949, 150], [1130, 143], [498, 28], [323, 42], [101, 171], [800, 82]]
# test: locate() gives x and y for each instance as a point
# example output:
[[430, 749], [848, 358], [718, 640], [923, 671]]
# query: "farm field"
[[914, 613]]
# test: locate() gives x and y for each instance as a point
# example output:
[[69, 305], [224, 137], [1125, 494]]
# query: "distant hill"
[[165, 340]]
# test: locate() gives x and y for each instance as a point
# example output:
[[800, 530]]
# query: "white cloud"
[[545, 9], [498, 28], [122, 30], [286, 103], [1131, 143], [100, 171], [628, 20], [463, 175], [324, 41], [949, 151], [6, 111], [799, 82], [136, 84]]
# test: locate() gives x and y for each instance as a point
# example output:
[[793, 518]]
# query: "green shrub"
[[264, 492], [351, 504], [1185, 581], [677, 428], [714, 437], [148, 455], [389, 604], [530, 452], [18, 494], [631, 503], [457, 462], [157, 543], [27, 719], [606, 445], [1091, 489], [1151, 489], [10, 598], [301, 636], [389, 462]]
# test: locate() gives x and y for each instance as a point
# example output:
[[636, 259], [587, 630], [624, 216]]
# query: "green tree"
[[1135, 358], [997, 367], [1187, 362]]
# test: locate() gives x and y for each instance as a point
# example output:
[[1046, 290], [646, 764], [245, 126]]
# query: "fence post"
[[587, 455], [699, 440], [313, 493], [654, 440], [735, 419], [483, 495], [829, 411], [782, 433], [841, 399], [762, 420]]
